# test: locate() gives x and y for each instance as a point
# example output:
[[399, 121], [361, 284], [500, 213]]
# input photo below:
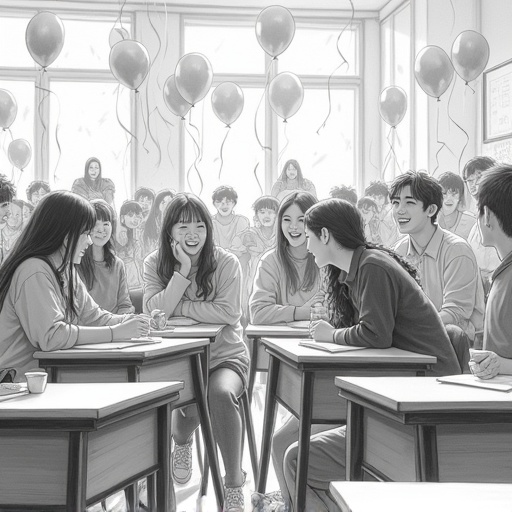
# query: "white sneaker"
[[234, 497], [181, 462]]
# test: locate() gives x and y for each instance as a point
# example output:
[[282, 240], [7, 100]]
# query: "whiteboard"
[[500, 150]]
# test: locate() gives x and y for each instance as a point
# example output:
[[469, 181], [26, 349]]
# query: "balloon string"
[[287, 142], [155, 141], [145, 125], [118, 118], [256, 176], [221, 149], [370, 156], [473, 90], [391, 152], [267, 74], [194, 165], [458, 126], [453, 17], [438, 141], [120, 17]]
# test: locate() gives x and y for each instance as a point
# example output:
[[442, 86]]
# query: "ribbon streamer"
[[222, 147], [458, 126]]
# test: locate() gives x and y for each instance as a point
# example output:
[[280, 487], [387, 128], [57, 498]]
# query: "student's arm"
[[277, 187], [124, 304]]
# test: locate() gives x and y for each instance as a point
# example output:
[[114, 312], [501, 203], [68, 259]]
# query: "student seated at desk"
[[189, 276], [376, 302], [44, 305], [287, 279], [495, 225]]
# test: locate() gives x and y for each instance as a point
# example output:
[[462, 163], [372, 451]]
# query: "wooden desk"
[[178, 359], [421, 497], [302, 380], [75, 444], [209, 331], [406, 429]]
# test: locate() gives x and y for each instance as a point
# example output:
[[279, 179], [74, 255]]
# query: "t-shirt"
[[223, 235]]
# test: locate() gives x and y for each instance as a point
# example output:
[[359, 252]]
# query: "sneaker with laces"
[[234, 497], [181, 462]]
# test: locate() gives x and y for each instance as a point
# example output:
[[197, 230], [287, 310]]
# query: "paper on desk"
[[299, 324], [333, 348], [498, 383], [117, 345], [179, 321]]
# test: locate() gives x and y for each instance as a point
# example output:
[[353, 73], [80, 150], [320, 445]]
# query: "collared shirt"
[[449, 275], [391, 310], [498, 312]]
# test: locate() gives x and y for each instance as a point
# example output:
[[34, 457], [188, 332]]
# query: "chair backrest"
[[136, 298]]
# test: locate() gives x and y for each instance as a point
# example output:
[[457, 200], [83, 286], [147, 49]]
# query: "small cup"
[[36, 381], [317, 312]]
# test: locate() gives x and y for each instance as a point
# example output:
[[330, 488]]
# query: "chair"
[[136, 298]]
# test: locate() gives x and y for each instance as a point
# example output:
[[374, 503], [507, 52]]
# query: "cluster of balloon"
[[174, 100], [129, 63], [193, 77], [433, 70], [470, 55], [393, 105], [227, 102], [44, 38], [285, 94], [275, 28], [8, 109], [19, 153]]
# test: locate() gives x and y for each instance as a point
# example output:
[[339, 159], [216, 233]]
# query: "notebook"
[[117, 345], [498, 383], [328, 347], [10, 390]]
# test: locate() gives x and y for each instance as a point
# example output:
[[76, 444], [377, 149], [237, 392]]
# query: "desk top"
[[193, 331], [291, 330], [291, 349], [413, 394], [421, 496], [85, 401], [165, 347]]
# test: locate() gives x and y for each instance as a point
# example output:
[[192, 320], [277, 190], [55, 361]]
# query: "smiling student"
[[93, 185], [291, 180], [12, 229], [189, 276], [43, 304], [36, 191]]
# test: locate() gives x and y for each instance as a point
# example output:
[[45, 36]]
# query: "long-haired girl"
[[291, 180], [189, 276], [153, 224], [93, 185], [43, 304], [100, 269]]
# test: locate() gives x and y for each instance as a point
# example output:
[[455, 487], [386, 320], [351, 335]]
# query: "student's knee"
[[290, 462], [280, 443], [461, 345]]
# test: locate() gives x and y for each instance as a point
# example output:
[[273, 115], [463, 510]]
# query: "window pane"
[[12, 36], [313, 51], [88, 126], [240, 155], [21, 128], [327, 159], [230, 49]]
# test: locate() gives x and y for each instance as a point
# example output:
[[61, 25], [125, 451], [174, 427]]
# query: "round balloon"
[[228, 102], [45, 37], [8, 109], [393, 105], [19, 153], [285, 94], [275, 28], [194, 77], [174, 100], [117, 34], [129, 63], [470, 54], [433, 70]]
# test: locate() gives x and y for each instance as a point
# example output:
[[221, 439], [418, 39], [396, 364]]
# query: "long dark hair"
[[185, 207], [104, 213], [94, 184], [303, 200], [128, 207], [300, 177], [57, 223], [345, 224], [151, 228]]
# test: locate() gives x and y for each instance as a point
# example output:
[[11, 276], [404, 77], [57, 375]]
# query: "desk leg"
[[164, 487], [204, 417], [306, 412], [269, 419], [151, 492], [427, 464], [77, 472], [253, 367], [354, 442]]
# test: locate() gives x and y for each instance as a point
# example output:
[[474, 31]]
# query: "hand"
[[484, 364], [133, 326], [320, 330], [122, 237], [182, 257]]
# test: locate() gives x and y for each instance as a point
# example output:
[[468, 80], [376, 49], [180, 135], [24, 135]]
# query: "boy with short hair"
[[36, 191]]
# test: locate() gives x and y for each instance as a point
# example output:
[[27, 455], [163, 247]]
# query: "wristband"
[[111, 334]]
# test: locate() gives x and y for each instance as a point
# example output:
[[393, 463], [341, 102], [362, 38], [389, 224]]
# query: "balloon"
[[129, 63], [117, 34], [286, 94], [19, 153], [433, 70], [45, 37], [8, 109], [194, 77], [173, 99], [275, 28], [470, 54], [228, 102], [393, 105]]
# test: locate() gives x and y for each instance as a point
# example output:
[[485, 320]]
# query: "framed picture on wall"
[[497, 102]]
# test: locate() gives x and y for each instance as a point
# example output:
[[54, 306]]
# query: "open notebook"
[[498, 383], [328, 347]]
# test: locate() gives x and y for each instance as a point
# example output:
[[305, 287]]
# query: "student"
[[291, 180], [12, 229], [145, 197], [344, 192], [93, 185], [388, 230], [43, 304], [36, 191], [27, 210], [452, 216], [153, 223], [100, 269], [495, 224], [472, 174], [226, 224], [189, 276], [447, 265], [287, 280], [7, 194], [376, 302], [370, 214]]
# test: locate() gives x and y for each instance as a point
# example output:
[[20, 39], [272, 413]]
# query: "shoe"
[[270, 502], [234, 497], [181, 462]]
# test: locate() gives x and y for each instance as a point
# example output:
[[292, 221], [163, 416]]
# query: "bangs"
[[103, 213], [191, 213]]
